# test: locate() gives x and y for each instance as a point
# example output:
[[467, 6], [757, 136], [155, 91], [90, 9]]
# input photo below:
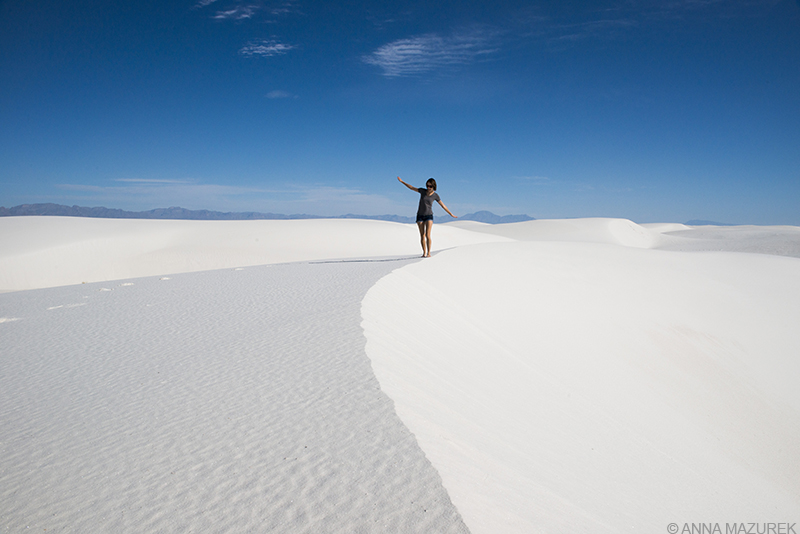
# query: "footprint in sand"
[[67, 306]]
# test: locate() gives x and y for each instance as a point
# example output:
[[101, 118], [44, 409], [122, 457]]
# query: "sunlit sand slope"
[[597, 386]]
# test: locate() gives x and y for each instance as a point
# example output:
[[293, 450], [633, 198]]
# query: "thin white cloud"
[[535, 179], [151, 181], [158, 194], [243, 10], [237, 13], [143, 186], [432, 52], [291, 199], [692, 5], [265, 48], [283, 8], [327, 200], [279, 94], [594, 28], [679, 9], [619, 17]]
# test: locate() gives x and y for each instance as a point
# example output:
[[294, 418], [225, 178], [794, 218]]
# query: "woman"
[[425, 212]]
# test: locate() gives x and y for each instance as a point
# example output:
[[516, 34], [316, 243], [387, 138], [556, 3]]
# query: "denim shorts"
[[421, 218]]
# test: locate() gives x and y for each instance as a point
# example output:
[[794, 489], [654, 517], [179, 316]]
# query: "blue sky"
[[663, 110]]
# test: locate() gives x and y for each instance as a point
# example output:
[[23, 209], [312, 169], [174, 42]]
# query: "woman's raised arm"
[[408, 186]]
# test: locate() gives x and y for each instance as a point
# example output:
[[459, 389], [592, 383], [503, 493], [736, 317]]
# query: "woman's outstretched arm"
[[445, 209], [408, 186]]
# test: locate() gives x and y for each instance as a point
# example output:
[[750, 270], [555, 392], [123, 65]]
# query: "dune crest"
[[591, 230]]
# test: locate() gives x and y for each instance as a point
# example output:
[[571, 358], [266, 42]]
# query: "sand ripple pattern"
[[225, 401]]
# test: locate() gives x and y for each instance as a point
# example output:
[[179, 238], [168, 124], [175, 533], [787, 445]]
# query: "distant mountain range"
[[207, 215], [698, 222]]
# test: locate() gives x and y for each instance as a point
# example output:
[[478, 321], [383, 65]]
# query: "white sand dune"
[[38, 252], [236, 400], [773, 240], [222, 401], [612, 231], [596, 385], [588, 375]]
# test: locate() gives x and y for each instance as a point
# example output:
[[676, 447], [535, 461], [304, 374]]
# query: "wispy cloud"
[[265, 48], [433, 52], [539, 180], [279, 94], [151, 181], [243, 10], [283, 8], [145, 194], [593, 28], [677, 6], [618, 17], [237, 13], [328, 200], [143, 185]]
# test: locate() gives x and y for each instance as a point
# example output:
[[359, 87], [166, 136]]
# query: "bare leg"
[[428, 228], [421, 226]]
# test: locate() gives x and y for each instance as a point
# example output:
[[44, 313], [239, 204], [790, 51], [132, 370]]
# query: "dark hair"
[[432, 182]]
